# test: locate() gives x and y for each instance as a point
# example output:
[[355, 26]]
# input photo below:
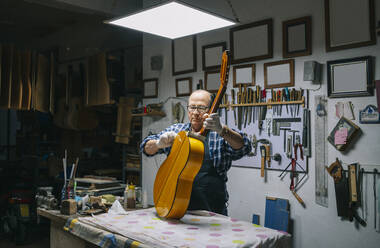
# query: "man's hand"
[[212, 122], [166, 139]]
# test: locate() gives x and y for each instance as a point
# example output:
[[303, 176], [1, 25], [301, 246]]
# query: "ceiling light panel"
[[172, 20]]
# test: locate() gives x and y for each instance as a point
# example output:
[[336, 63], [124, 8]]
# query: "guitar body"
[[173, 184], [174, 179]]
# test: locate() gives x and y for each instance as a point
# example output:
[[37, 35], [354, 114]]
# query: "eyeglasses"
[[200, 108]]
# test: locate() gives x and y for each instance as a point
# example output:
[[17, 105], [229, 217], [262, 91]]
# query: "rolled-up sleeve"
[[239, 153], [175, 128]]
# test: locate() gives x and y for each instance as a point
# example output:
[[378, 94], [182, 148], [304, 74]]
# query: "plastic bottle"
[[131, 197]]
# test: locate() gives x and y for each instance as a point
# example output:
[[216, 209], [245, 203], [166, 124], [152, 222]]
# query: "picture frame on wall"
[[279, 74], [296, 37], [251, 41], [349, 24], [350, 77], [244, 75], [183, 86], [212, 81], [150, 88], [212, 55], [184, 55]]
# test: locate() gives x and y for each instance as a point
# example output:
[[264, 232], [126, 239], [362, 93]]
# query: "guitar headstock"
[[225, 68]]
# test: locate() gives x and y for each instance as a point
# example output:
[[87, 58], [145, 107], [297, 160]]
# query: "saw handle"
[[299, 199], [263, 153]]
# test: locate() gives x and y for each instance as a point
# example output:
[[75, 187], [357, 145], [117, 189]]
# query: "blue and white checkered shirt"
[[221, 153]]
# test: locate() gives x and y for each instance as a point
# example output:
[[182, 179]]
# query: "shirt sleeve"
[[239, 153], [156, 137]]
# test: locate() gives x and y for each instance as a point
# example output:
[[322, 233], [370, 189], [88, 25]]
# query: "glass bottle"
[[131, 197]]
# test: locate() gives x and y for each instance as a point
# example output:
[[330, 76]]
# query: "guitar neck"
[[222, 89]]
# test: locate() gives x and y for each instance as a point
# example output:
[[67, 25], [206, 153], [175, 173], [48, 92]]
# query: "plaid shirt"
[[221, 153]]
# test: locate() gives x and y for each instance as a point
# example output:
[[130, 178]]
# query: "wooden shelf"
[[269, 104], [151, 113]]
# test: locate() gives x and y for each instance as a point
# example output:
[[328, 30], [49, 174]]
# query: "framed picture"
[[252, 41], [183, 86], [184, 55], [296, 37], [350, 77], [349, 24], [279, 74], [244, 74], [150, 88], [212, 81], [212, 55]]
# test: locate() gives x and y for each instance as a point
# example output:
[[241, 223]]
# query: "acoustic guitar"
[[174, 179]]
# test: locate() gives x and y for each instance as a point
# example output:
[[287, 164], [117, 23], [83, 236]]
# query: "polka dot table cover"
[[196, 229]]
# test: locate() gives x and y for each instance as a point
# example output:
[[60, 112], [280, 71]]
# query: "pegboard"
[[292, 115]]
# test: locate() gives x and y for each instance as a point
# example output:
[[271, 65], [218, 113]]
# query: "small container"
[[131, 197], [145, 199], [125, 205]]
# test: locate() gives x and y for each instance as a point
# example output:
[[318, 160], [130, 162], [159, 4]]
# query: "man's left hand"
[[212, 122]]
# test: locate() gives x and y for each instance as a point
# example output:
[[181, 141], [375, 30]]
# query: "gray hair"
[[200, 91]]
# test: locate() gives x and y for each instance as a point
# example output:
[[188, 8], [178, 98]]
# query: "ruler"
[[321, 156]]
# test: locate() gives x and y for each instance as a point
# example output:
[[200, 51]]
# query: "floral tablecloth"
[[195, 229]]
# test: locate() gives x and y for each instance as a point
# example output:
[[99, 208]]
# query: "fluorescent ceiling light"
[[172, 20]]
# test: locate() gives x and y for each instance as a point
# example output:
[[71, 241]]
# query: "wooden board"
[[26, 80], [52, 77], [277, 214], [97, 183], [42, 88], [97, 90], [124, 120], [6, 76], [16, 83]]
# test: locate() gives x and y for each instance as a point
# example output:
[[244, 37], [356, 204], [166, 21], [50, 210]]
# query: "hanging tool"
[[277, 157], [306, 141], [258, 99], [240, 101], [294, 175], [250, 100], [246, 97], [299, 98], [320, 156], [285, 129], [294, 134], [263, 110], [354, 197], [267, 154], [233, 102], [289, 146], [254, 145], [287, 98], [226, 103], [263, 158], [374, 194], [254, 100], [277, 123]]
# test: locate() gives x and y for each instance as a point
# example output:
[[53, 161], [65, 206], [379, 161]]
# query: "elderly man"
[[222, 146]]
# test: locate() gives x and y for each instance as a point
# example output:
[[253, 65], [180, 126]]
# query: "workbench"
[[59, 238], [143, 229]]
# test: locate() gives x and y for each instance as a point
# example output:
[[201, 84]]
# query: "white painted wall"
[[314, 226]]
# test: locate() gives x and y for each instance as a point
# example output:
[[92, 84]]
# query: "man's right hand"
[[166, 139]]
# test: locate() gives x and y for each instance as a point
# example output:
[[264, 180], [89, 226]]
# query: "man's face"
[[196, 115]]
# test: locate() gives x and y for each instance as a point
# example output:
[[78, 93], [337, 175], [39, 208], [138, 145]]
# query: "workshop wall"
[[315, 225]]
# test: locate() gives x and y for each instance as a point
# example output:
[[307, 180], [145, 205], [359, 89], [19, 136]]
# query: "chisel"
[[225, 102], [239, 100], [233, 102]]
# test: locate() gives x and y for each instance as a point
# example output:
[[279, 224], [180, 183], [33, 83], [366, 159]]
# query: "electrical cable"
[[233, 11]]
